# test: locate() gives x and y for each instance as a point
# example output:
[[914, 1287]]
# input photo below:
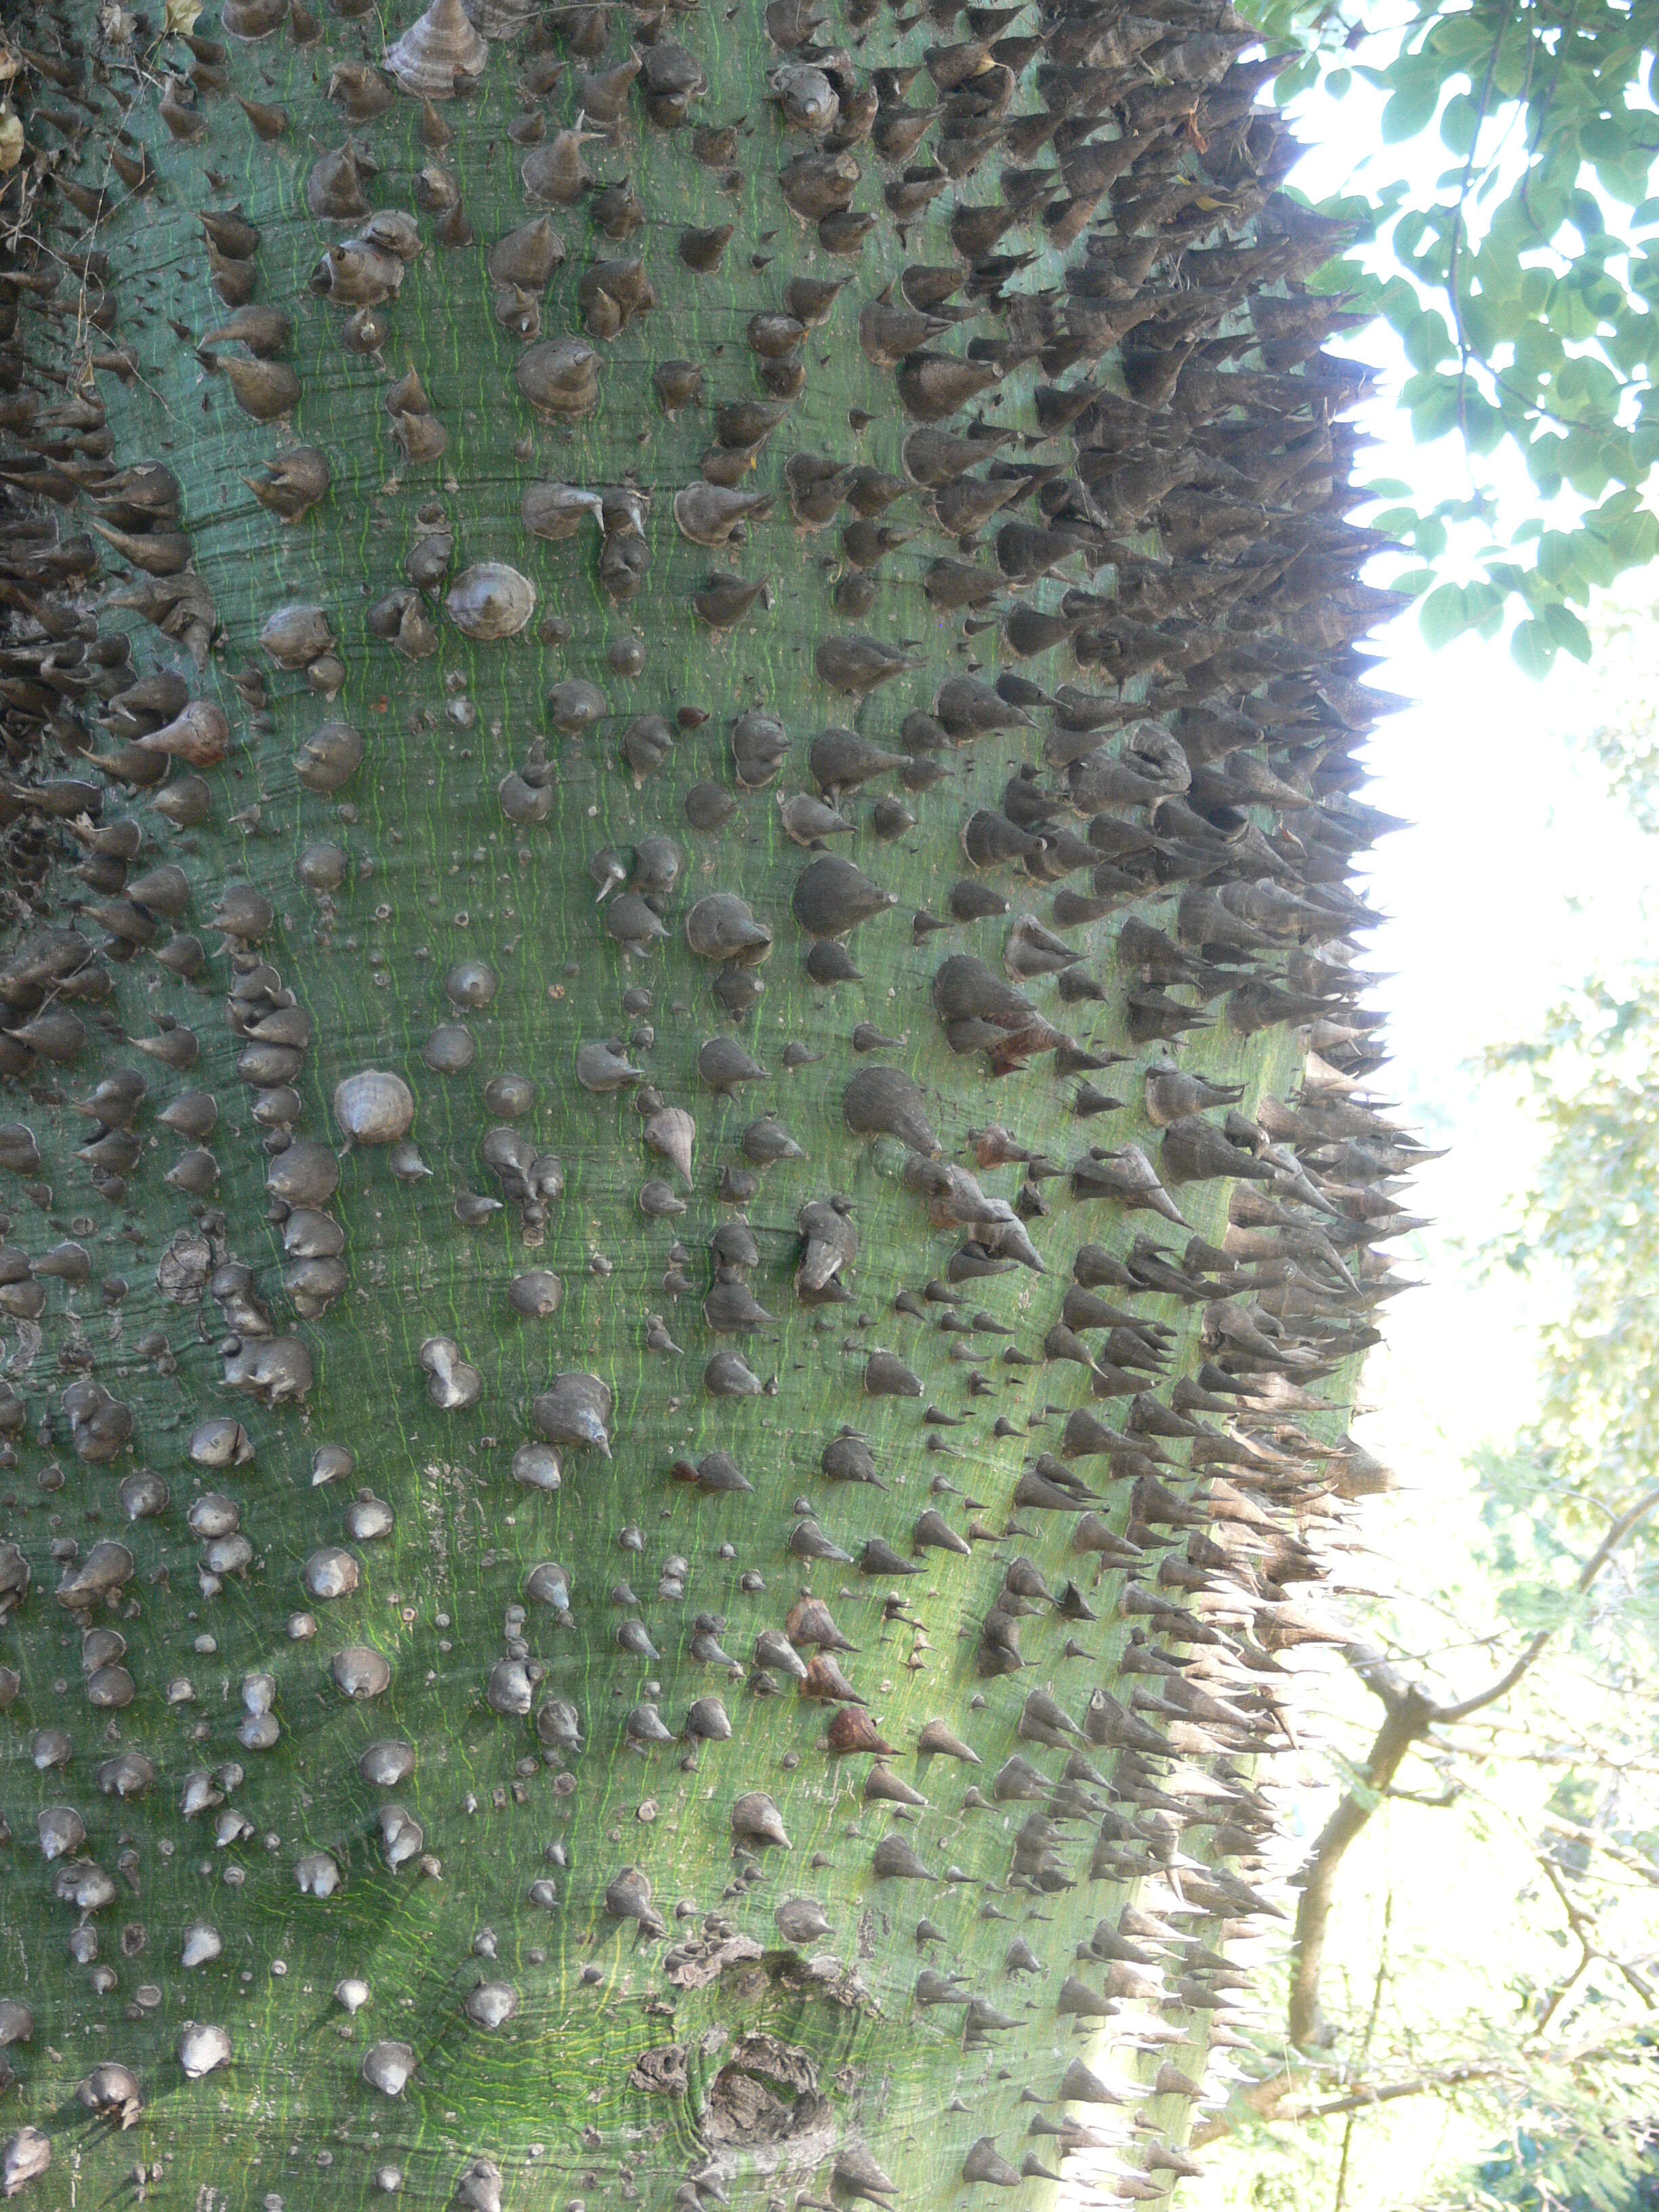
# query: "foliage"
[[1564, 2169], [1590, 1077], [1508, 236], [1593, 1079]]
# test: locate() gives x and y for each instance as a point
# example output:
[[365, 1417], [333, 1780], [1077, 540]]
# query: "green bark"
[[208, 1769]]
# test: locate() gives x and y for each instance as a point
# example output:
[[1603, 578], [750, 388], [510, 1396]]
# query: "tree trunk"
[[569, 1632]]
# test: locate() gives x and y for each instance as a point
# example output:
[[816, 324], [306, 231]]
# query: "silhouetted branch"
[[1410, 1712]]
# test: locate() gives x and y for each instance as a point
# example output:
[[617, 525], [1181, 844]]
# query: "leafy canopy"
[[1508, 235]]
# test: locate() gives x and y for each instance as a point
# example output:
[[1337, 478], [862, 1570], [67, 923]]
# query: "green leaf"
[[1399, 301], [1587, 388], [1408, 234], [1569, 313], [1626, 179], [1579, 453], [1459, 122], [1556, 308], [1300, 77], [1538, 352], [1531, 648], [1409, 111], [1635, 540], [1594, 563], [1484, 425], [1464, 40], [1428, 341], [1442, 616], [1555, 554], [1485, 324], [1632, 346], [1567, 631], [1435, 415]]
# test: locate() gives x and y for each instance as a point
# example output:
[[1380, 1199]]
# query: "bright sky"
[[1520, 877]]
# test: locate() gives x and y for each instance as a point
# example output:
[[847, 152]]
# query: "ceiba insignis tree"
[[681, 691]]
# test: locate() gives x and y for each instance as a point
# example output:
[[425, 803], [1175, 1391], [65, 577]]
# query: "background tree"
[[1488, 1940], [1508, 220]]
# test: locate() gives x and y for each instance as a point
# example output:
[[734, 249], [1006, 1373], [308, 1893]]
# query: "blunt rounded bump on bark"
[[361, 1672], [203, 2049], [386, 1764], [490, 600], [453, 1384], [759, 746], [331, 1573], [200, 1945], [26, 2157], [388, 2067], [373, 1107]]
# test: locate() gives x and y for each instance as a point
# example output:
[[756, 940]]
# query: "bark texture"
[[622, 1557]]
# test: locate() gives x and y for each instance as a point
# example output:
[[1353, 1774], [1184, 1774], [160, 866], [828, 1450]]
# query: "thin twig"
[[1459, 226], [1365, 2052], [1580, 1924], [1599, 1558]]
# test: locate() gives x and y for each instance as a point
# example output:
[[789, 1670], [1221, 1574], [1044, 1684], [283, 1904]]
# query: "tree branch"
[[1580, 1924], [1408, 1721], [1592, 1567], [1360, 2100], [1409, 1714], [1266, 2100]]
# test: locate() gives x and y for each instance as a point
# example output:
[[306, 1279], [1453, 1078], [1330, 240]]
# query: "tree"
[[1559, 2060], [1515, 1678], [623, 1557], [1595, 2172], [1519, 283]]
